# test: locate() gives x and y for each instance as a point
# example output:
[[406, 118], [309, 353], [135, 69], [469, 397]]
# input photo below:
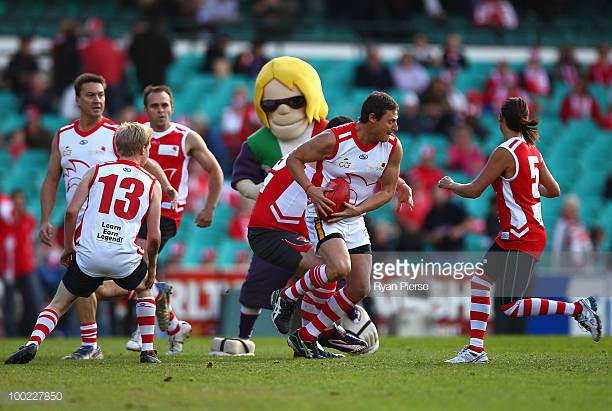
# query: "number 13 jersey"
[[518, 201], [119, 197]]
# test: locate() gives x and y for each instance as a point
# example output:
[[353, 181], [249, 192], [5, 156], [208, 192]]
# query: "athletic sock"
[[313, 301], [248, 316], [480, 309], [529, 307], [46, 322], [89, 335], [316, 277], [145, 312], [335, 308], [173, 325]]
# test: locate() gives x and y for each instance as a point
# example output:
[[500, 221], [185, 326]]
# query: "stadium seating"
[[576, 152]]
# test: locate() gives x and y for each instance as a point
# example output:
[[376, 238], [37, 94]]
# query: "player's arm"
[[48, 193], [72, 213], [388, 186], [153, 233], [196, 147], [403, 193], [500, 161], [155, 169], [548, 185], [316, 149]]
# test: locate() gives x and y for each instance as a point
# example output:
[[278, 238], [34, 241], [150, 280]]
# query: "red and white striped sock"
[[316, 277], [480, 309], [173, 326], [313, 301], [335, 308], [89, 335], [528, 307], [145, 311], [46, 322]]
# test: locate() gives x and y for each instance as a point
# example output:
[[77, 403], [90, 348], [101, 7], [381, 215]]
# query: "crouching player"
[[120, 195]]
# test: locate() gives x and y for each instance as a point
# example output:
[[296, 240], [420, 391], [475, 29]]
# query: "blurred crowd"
[[430, 103]]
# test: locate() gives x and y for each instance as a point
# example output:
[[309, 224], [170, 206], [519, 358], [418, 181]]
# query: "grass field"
[[407, 373]]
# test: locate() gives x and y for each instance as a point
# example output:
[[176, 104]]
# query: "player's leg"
[[584, 311], [357, 287], [86, 310], [167, 320], [335, 253], [145, 311], [74, 284], [496, 265]]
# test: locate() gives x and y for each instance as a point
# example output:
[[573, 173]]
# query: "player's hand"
[[46, 234], [403, 193], [205, 217], [348, 212], [173, 196], [446, 182], [150, 280], [322, 204], [67, 255]]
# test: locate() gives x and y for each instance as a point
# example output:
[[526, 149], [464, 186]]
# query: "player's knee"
[[338, 269], [359, 291]]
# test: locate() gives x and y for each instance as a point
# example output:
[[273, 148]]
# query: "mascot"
[[293, 112]]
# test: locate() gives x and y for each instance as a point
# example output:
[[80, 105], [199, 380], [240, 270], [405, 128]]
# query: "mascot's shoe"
[[232, 346]]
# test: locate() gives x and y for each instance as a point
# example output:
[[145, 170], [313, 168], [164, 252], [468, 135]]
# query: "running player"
[[171, 147], [368, 155], [76, 148], [118, 196], [519, 177]]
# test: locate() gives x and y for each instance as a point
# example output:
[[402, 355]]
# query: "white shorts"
[[353, 230]]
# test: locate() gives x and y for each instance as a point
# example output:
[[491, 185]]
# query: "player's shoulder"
[[511, 144], [394, 140], [181, 128], [109, 124], [69, 126]]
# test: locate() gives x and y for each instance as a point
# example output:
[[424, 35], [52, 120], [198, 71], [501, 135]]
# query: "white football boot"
[[588, 319], [466, 355]]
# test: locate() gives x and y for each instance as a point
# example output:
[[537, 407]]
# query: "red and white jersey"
[[81, 150], [119, 196], [518, 201], [281, 204], [362, 166], [168, 149]]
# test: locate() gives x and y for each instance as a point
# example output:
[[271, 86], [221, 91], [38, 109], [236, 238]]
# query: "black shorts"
[[167, 226], [280, 248], [83, 285], [512, 272]]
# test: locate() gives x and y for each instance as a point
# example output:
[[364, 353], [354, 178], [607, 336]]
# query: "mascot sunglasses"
[[294, 102]]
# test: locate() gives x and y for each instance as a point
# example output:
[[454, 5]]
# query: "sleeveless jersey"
[[81, 150], [281, 204], [362, 166], [168, 149], [119, 197], [518, 201]]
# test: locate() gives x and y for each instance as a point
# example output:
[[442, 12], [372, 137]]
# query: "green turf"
[[526, 373]]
